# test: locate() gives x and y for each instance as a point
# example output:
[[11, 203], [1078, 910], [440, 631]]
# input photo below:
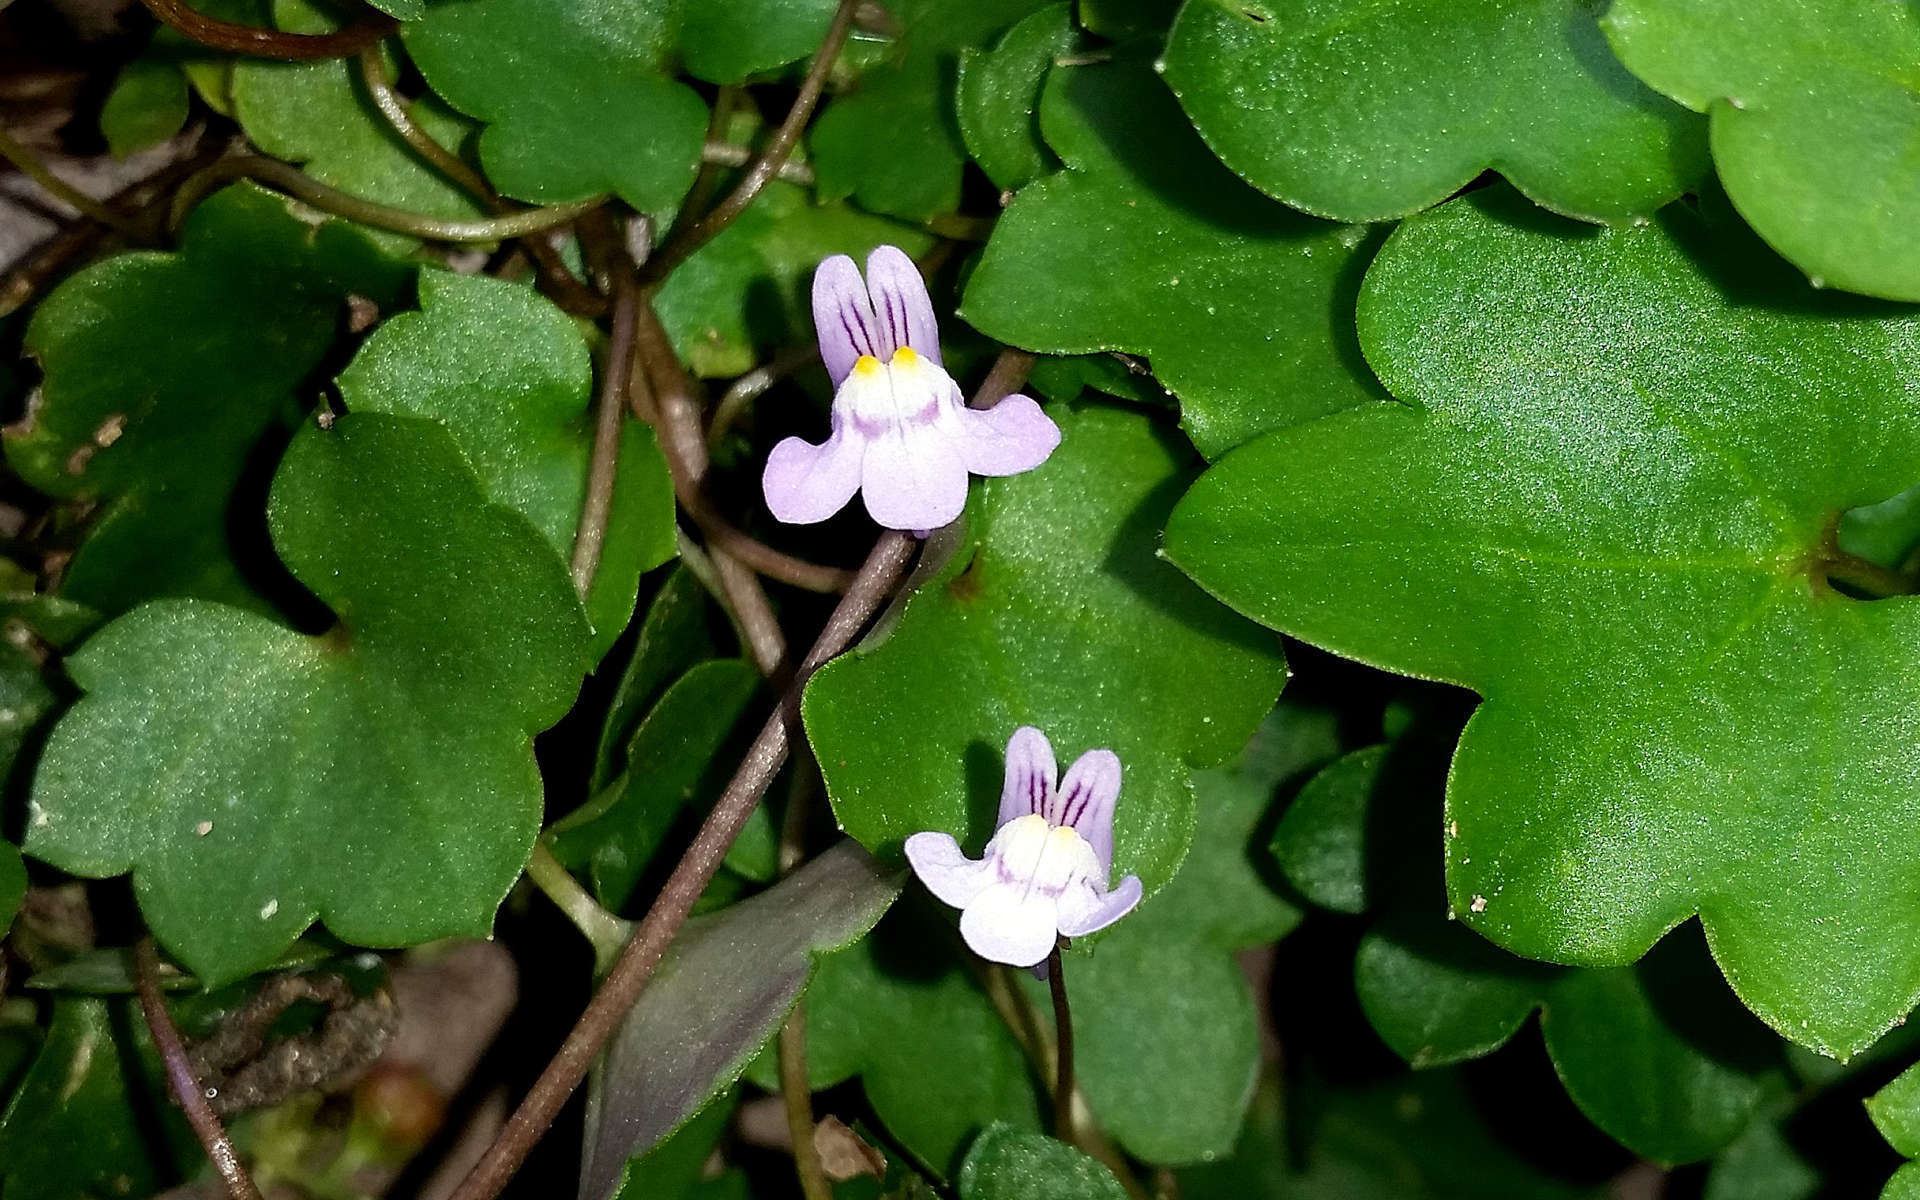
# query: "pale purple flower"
[[1045, 871], [902, 436]]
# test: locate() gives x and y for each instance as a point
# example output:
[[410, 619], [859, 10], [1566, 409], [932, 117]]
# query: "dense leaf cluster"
[[1486, 527]]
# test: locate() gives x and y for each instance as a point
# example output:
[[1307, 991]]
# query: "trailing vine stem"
[[670, 404], [271, 43], [886, 565], [187, 1090], [303, 187], [603, 468], [373, 73], [30, 165], [767, 163]]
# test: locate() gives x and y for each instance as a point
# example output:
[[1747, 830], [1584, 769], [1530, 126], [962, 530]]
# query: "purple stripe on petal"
[[842, 317], [1090, 791], [1031, 774], [900, 297]]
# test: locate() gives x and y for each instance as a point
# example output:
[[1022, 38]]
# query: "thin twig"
[[187, 1092], [272, 43], [767, 163], [373, 74], [726, 154], [676, 415], [797, 1096], [884, 568], [606, 932], [604, 467], [1063, 1049], [30, 165], [304, 187], [749, 387], [145, 202]]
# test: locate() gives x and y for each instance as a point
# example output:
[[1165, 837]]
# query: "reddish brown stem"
[[884, 568], [187, 1092], [768, 162], [272, 43], [604, 467]]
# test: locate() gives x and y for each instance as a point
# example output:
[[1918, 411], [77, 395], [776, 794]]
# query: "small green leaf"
[[76, 1126], [676, 633], [146, 106], [576, 97], [726, 41], [744, 295], [672, 1168], [318, 114], [1418, 1137], [1761, 1164], [1366, 110], [1012, 1164], [892, 143], [508, 374], [673, 761], [379, 777], [1604, 504], [170, 375], [1055, 612], [1657, 1055], [722, 991], [1146, 244], [1812, 110], [1895, 1110], [998, 97], [1320, 844], [13, 884], [1905, 1184], [1886, 533], [935, 1060]]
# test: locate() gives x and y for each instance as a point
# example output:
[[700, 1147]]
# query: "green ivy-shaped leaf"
[[74, 1129], [1605, 504], [318, 114], [1657, 1054], [744, 295], [576, 98], [1244, 307], [997, 96], [379, 776], [509, 374], [1813, 105], [146, 105], [1055, 612], [169, 375], [1895, 1110], [676, 633], [1365, 110], [1416, 1137], [934, 1059], [1012, 1164], [673, 761], [893, 142]]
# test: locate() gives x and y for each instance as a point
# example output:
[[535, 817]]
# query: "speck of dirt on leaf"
[[203, 828], [1479, 904], [268, 909], [110, 430]]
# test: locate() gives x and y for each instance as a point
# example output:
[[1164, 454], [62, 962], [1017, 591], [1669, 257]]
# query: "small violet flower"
[[1045, 871], [902, 436]]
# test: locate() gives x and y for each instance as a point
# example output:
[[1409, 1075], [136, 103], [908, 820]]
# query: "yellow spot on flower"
[[905, 357], [866, 364]]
